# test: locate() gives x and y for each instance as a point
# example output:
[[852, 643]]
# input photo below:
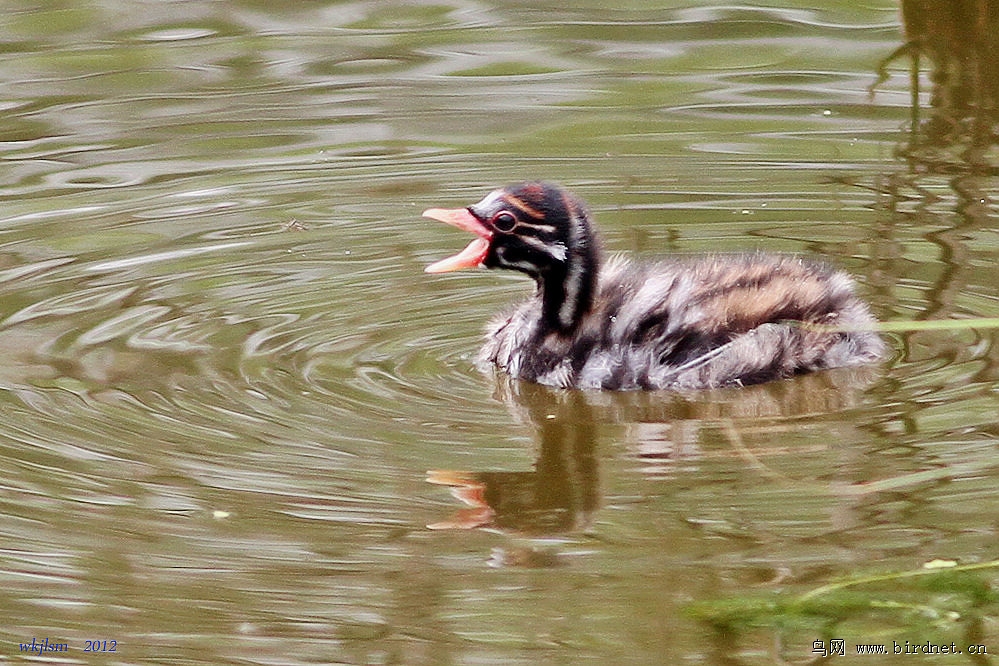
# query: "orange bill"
[[471, 256]]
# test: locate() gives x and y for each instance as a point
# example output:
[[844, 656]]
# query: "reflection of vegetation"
[[942, 603], [960, 39]]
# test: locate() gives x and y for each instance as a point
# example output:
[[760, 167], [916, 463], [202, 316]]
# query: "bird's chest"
[[518, 344]]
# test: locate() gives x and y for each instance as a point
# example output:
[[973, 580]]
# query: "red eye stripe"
[[523, 207]]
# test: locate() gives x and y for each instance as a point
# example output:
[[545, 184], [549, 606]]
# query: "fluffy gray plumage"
[[691, 324]]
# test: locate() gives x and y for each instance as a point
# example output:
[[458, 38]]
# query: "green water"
[[226, 378]]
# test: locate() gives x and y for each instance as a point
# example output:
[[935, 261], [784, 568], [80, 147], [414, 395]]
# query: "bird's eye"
[[504, 221]]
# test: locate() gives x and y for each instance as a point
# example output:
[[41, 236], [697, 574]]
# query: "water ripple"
[[225, 374]]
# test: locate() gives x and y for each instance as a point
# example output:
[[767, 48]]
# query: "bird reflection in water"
[[559, 495], [661, 432]]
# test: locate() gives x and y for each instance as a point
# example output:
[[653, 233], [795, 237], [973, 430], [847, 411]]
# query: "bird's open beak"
[[471, 256]]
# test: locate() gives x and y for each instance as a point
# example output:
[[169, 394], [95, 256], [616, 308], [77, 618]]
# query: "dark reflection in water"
[[946, 186], [663, 432], [960, 39], [560, 494], [945, 189]]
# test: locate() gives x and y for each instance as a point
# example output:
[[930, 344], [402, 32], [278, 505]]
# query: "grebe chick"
[[714, 321]]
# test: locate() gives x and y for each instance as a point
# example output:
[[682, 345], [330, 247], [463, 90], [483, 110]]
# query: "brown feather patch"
[[523, 206]]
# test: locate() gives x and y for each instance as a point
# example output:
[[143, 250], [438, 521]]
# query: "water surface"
[[226, 381]]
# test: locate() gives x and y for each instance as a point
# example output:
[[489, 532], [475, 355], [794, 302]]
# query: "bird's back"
[[694, 323]]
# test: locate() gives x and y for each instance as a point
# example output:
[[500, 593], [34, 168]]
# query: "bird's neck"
[[567, 291]]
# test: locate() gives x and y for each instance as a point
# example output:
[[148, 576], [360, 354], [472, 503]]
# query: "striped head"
[[536, 228]]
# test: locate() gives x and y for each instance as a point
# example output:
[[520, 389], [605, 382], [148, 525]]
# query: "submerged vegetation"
[[941, 605]]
